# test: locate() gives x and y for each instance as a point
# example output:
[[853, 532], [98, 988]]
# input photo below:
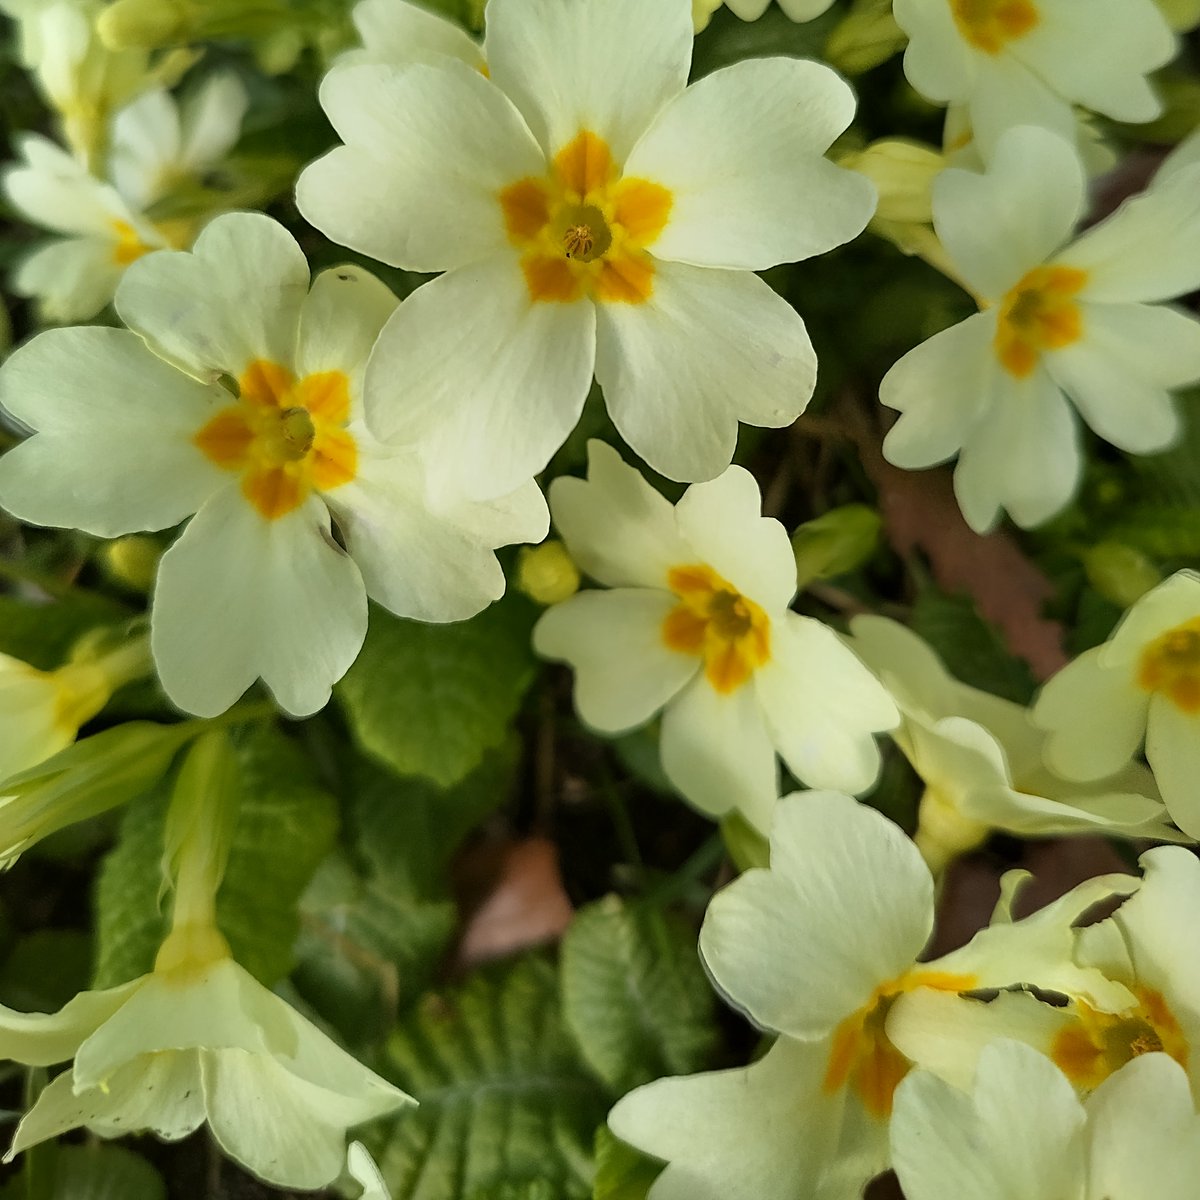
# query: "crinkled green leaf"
[[431, 700], [285, 827], [377, 920], [622, 1173], [971, 648], [504, 1097], [635, 995]]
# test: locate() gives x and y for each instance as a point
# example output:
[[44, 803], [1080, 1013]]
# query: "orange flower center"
[[1039, 314], [990, 25], [1098, 1043], [1170, 665], [583, 231], [863, 1057], [716, 622], [284, 436]]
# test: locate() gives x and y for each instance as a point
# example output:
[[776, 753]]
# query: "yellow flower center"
[[284, 436], [583, 231], [1170, 665], [1039, 314], [128, 245], [715, 621], [863, 1057], [990, 25], [1097, 1044]]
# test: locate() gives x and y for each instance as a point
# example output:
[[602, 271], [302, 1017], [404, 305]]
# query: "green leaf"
[[971, 648], [286, 826], [1163, 530], [43, 634], [431, 700], [622, 1173], [99, 1172], [504, 1098], [635, 995]]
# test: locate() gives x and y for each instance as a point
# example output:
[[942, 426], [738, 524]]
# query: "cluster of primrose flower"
[[591, 216]]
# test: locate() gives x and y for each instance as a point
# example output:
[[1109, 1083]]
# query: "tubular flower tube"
[[257, 585], [1064, 325], [593, 216], [695, 621]]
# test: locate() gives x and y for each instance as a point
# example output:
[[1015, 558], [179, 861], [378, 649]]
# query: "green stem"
[[619, 811], [707, 857]]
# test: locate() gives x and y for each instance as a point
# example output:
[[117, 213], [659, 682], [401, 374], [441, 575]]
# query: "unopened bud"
[[1181, 15], [132, 561], [547, 574], [867, 36], [835, 543], [1120, 573], [903, 172], [144, 24]]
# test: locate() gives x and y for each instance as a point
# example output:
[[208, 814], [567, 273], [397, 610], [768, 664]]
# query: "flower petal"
[[775, 940], [428, 149], [762, 1132], [942, 389], [723, 525], [340, 319], [624, 669], [1118, 374], [418, 559], [235, 298], [617, 527], [822, 706], [606, 66], [937, 61], [72, 279], [998, 225], [40, 1039], [1023, 456], [240, 597], [146, 138], [1094, 718], [117, 422], [1006, 95], [736, 149], [496, 392], [1173, 752], [212, 120], [716, 751], [394, 31], [1149, 249], [707, 349]]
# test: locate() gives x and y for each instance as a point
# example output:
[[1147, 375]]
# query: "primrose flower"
[[1028, 62], [1022, 1131], [592, 215], [825, 966], [980, 757], [257, 585], [1144, 948], [1061, 320], [1144, 682], [198, 1039], [41, 711], [695, 621]]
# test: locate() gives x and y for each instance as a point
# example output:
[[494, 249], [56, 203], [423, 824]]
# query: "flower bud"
[[1120, 573], [132, 561], [547, 574], [867, 36], [835, 543], [144, 24], [1181, 15]]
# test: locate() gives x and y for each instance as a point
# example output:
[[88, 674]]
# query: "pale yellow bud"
[[867, 36], [903, 172], [943, 832], [546, 573], [1181, 15], [144, 24], [132, 561], [1120, 573], [702, 11], [835, 543]]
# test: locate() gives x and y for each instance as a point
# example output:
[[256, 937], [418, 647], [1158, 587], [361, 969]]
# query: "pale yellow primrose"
[[199, 1040], [693, 620], [593, 215], [826, 966], [980, 757], [1064, 324], [1143, 683], [257, 585], [1028, 62]]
